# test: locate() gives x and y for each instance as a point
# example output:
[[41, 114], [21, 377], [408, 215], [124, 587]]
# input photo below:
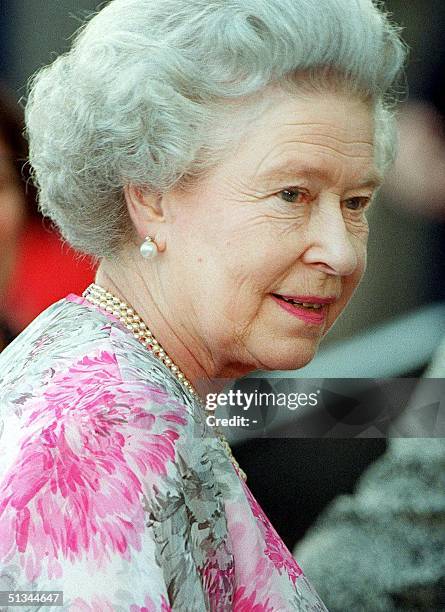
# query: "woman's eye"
[[357, 203], [293, 195]]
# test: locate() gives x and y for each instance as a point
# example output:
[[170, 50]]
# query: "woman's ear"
[[145, 210]]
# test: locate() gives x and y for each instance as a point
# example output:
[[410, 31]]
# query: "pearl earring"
[[149, 248]]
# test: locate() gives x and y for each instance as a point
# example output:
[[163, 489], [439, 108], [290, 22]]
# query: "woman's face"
[[284, 216], [12, 212]]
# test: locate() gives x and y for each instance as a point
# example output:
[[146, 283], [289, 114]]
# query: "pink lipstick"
[[309, 308]]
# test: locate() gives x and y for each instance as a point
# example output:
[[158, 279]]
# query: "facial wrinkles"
[[327, 149], [284, 220], [253, 210], [257, 212], [330, 131], [349, 141], [267, 223], [236, 190], [236, 329], [331, 159], [250, 281], [243, 213], [252, 216]]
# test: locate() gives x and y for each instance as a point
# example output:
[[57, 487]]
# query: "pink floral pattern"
[[249, 603], [105, 485], [275, 548]]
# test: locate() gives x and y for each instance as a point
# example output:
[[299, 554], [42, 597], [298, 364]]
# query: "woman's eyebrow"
[[298, 171]]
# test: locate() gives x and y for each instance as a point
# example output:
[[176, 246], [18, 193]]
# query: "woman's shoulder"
[[89, 457], [76, 371], [73, 336], [60, 335]]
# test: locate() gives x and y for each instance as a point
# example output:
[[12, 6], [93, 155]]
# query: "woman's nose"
[[329, 243]]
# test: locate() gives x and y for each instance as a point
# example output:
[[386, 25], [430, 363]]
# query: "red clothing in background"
[[46, 271]]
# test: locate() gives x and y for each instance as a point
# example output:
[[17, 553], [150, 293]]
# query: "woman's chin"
[[290, 359]]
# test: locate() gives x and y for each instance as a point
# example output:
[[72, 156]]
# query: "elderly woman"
[[218, 160]]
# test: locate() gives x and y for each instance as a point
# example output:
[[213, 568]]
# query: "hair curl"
[[148, 89]]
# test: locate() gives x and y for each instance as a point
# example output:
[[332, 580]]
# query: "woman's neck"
[[125, 281]]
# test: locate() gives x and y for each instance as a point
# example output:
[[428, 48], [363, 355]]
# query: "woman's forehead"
[[310, 137], [339, 112], [347, 121]]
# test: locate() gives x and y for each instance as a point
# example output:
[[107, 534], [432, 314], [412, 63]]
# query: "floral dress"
[[114, 490]]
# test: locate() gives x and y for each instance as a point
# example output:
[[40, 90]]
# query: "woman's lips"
[[316, 317]]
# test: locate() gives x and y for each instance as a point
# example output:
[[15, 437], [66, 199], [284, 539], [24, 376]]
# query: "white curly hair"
[[155, 93]]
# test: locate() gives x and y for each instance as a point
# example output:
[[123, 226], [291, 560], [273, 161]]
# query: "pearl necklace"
[[105, 300]]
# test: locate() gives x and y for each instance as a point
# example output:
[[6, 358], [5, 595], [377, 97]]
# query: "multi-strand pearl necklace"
[[105, 300]]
